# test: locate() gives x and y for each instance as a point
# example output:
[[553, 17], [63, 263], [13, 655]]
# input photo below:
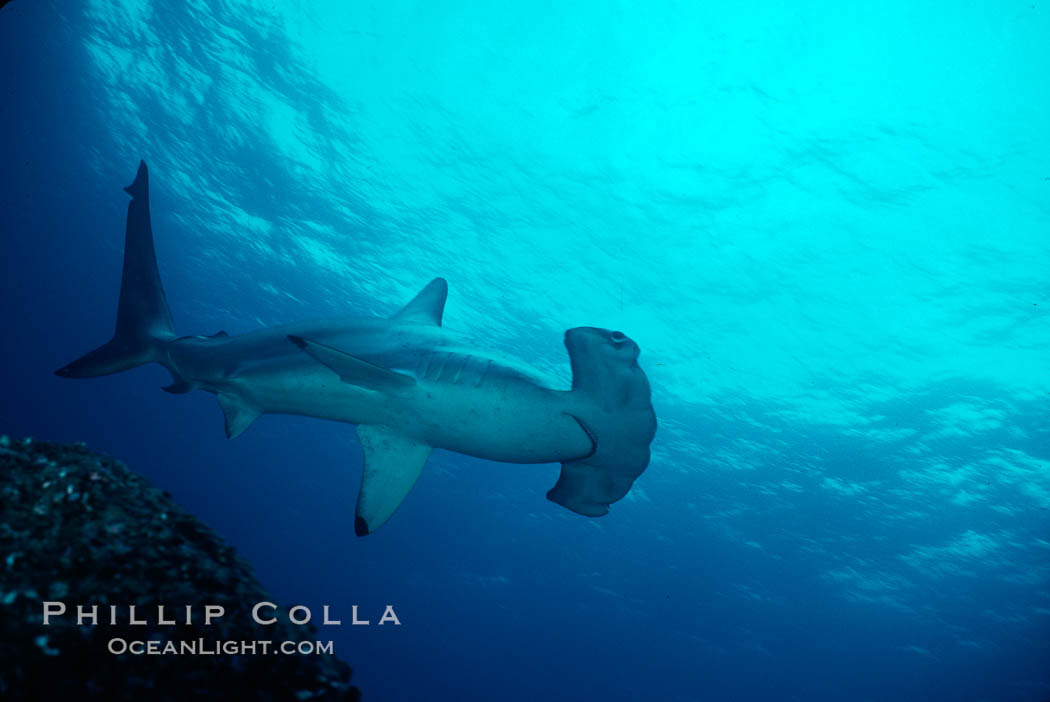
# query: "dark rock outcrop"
[[80, 528]]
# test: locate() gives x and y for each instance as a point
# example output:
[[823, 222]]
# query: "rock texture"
[[81, 528]]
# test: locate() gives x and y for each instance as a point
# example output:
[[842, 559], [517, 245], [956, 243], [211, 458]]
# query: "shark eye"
[[618, 337]]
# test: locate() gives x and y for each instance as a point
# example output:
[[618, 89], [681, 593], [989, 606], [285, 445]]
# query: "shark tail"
[[144, 322]]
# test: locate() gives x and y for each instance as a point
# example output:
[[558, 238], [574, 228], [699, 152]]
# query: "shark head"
[[605, 366], [613, 405]]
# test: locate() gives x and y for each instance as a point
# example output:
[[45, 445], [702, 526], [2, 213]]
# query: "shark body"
[[408, 384]]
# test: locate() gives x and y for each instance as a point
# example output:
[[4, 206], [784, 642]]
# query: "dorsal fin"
[[428, 306]]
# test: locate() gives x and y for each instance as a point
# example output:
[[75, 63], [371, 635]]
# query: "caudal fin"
[[143, 318]]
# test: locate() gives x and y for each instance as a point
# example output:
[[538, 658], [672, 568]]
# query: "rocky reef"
[[78, 527]]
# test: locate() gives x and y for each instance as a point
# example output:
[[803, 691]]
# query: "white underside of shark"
[[406, 382]]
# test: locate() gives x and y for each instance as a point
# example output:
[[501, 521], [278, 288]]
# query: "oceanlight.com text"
[[216, 647]]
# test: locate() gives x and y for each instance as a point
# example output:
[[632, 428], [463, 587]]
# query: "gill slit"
[[590, 435]]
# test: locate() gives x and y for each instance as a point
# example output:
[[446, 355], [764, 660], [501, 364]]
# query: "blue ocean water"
[[824, 224]]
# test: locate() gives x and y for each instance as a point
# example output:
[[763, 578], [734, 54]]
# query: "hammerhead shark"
[[406, 382]]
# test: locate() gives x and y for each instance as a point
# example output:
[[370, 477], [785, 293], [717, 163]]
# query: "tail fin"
[[615, 409], [143, 318]]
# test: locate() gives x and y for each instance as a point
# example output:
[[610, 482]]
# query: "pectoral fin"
[[392, 465], [353, 370], [239, 414]]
